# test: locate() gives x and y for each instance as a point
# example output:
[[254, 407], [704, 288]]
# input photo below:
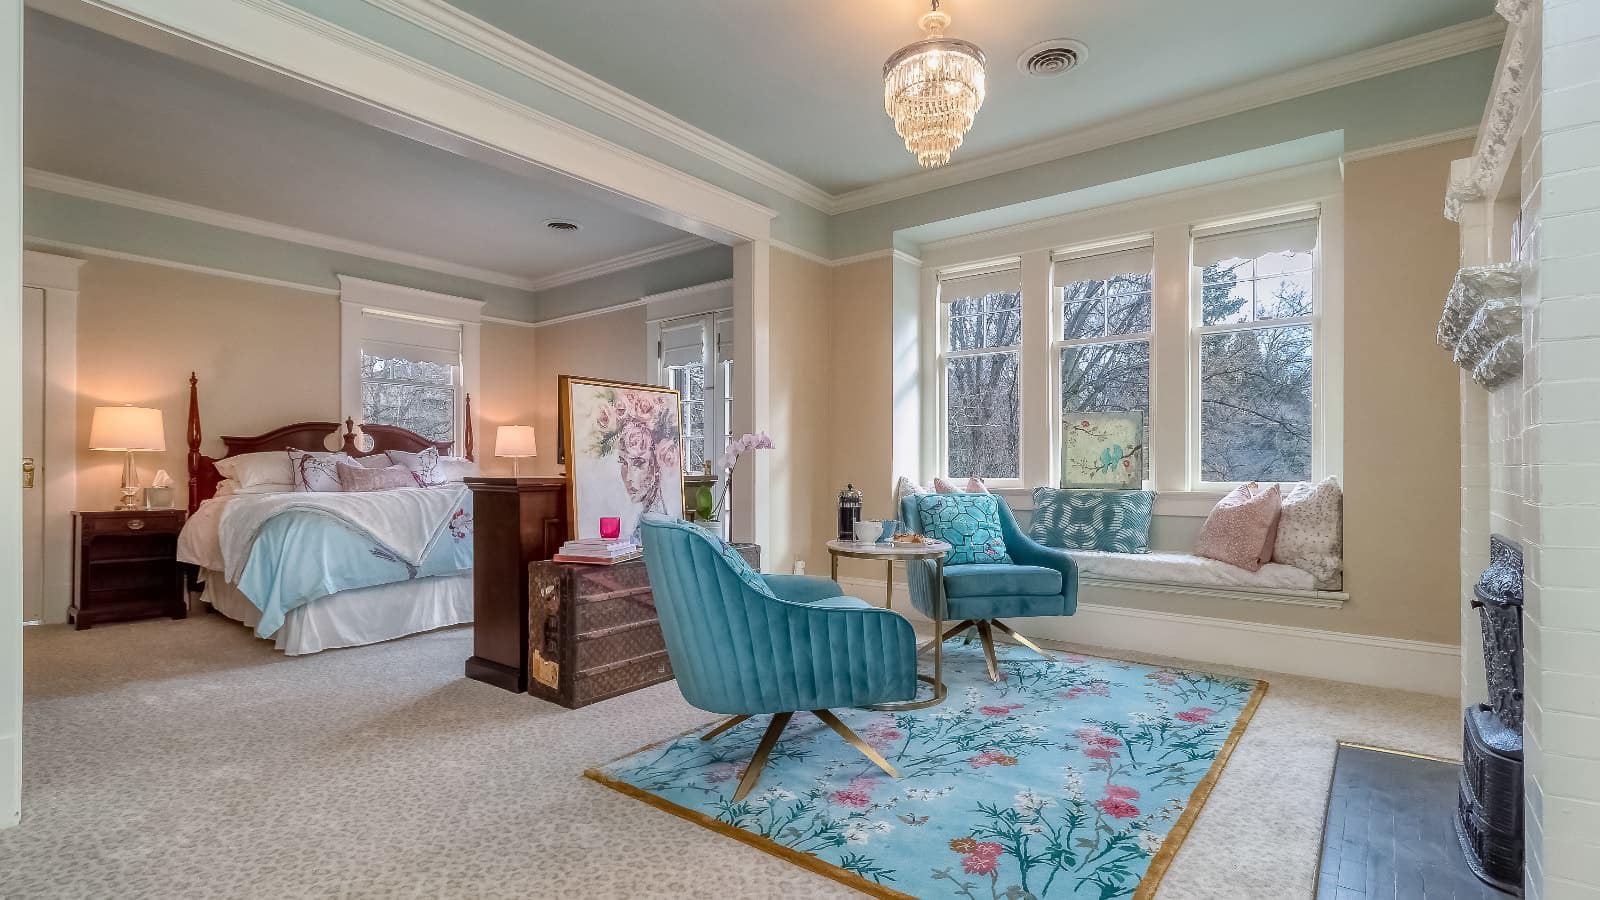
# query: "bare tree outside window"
[[690, 383], [1105, 356], [1256, 368], [418, 396], [983, 410]]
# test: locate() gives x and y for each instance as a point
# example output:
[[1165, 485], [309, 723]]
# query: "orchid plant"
[[737, 447]]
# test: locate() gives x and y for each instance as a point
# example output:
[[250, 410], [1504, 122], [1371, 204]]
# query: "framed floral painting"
[[1102, 450], [621, 443]]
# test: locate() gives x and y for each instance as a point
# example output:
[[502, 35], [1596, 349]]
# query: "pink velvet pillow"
[[1242, 528], [361, 478], [975, 485]]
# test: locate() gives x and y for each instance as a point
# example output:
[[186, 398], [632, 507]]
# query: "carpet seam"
[[1162, 861]]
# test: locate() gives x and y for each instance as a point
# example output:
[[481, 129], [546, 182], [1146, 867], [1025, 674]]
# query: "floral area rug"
[[1072, 778]]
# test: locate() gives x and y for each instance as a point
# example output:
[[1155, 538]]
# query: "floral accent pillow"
[[318, 472], [1310, 532], [362, 478], [1240, 529], [969, 523], [424, 466]]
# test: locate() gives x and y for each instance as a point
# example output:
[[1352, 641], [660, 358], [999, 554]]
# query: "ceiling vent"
[[561, 225], [1048, 59]]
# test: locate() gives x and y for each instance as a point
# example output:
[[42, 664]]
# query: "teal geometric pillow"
[[969, 523], [1113, 521]]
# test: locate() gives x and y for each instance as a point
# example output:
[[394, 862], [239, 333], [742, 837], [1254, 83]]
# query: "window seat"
[[1169, 572]]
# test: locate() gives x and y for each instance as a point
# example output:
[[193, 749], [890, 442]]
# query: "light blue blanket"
[[301, 555]]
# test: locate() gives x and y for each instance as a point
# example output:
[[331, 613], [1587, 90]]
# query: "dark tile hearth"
[[1390, 831]]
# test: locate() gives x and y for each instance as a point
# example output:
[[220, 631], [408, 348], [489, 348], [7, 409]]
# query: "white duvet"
[[1187, 569], [406, 521]]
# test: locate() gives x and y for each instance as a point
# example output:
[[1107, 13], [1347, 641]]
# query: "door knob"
[[27, 472]]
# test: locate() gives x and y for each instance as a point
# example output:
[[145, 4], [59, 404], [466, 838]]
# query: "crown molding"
[[689, 291], [679, 247], [471, 33], [1434, 46], [900, 255], [1416, 143], [104, 193], [89, 250]]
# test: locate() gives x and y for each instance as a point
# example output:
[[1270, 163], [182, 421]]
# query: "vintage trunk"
[[593, 631]]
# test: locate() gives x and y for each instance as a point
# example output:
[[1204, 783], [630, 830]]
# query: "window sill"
[[1197, 504]]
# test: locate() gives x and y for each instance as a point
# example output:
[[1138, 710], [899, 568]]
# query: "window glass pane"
[[690, 383], [428, 410], [395, 368], [983, 416], [1107, 378], [1128, 313], [1225, 292], [1084, 320], [992, 320], [1255, 405], [1283, 296]]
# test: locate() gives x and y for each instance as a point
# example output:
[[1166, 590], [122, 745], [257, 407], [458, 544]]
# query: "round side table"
[[889, 554]]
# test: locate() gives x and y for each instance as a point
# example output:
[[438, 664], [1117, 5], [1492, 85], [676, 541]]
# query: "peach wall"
[[605, 346], [801, 359], [266, 356]]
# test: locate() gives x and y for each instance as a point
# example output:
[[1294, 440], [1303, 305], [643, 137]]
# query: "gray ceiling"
[[799, 83], [111, 112]]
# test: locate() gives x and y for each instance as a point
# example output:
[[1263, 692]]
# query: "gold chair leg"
[[752, 771], [722, 726], [854, 740], [988, 650], [1006, 629], [946, 636]]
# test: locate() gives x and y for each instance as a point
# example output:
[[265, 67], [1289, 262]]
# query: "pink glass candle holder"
[[610, 527]]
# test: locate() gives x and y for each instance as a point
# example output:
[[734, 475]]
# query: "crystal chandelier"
[[933, 89]]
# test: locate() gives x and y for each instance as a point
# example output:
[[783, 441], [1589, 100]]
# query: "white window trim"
[[1173, 354], [357, 295], [943, 355]]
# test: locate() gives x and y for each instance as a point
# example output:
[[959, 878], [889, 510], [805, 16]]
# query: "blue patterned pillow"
[[1114, 521], [741, 569], [969, 523]]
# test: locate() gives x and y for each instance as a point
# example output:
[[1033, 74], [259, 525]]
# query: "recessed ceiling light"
[[561, 225], [1048, 59]]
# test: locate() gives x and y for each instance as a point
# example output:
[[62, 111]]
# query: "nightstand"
[[127, 566]]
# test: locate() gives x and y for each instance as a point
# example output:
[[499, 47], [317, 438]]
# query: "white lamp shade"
[[127, 428], [515, 441]]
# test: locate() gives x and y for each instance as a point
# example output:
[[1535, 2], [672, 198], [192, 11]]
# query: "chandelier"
[[933, 89]]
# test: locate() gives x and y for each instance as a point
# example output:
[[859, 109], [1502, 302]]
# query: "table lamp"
[[515, 442], [129, 430]]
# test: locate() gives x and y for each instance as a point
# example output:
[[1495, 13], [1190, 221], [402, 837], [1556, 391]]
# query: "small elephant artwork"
[[1102, 450]]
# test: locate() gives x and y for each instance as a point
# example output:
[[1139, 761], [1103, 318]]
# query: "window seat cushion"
[[1183, 568]]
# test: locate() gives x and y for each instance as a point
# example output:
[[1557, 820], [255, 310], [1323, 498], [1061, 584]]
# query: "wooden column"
[[516, 521]]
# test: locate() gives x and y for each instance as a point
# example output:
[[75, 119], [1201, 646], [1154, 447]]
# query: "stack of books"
[[598, 551]]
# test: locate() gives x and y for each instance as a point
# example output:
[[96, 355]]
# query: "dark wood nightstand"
[[127, 566]]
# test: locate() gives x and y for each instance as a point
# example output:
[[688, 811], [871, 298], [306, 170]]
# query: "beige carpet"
[[186, 759]]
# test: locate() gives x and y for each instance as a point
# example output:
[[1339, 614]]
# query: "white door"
[[32, 454]]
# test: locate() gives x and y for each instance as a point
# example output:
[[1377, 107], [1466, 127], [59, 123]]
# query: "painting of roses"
[[623, 444]]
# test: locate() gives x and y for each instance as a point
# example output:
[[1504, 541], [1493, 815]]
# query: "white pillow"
[[453, 469], [318, 472], [227, 487], [1310, 535], [249, 470], [424, 466]]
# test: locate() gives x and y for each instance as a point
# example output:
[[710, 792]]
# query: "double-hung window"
[[1255, 299], [411, 373], [1104, 304], [980, 360]]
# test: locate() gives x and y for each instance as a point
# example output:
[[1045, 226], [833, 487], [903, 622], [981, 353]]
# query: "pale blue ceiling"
[[798, 84]]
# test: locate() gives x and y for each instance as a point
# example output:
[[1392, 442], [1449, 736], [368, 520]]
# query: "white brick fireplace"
[[1531, 448]]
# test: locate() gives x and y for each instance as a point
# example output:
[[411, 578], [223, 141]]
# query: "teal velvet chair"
[[1039, 581], [744, 644]]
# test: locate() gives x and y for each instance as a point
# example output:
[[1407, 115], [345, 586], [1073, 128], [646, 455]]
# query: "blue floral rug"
[[1074, 778]]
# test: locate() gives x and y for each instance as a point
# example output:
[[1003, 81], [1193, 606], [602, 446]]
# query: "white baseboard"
[[1385, 662]]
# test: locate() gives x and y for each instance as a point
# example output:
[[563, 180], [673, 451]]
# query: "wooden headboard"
[[309, 436]]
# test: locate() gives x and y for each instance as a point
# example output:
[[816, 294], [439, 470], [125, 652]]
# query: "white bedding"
[[198, 542], [1183, 568], [354, 618]]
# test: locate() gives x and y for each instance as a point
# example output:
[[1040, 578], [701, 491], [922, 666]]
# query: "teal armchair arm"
[[1025, 551], [803, 588]]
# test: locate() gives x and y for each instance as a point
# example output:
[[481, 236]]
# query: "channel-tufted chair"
[[1039, 581], [744, 644]]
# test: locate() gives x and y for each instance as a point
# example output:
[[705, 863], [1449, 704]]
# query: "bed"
[[316, 571]]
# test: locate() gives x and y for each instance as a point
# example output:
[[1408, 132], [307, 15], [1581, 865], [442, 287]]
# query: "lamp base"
[[130, 484]]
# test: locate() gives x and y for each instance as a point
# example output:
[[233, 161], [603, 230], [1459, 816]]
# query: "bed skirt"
[[356, 617]]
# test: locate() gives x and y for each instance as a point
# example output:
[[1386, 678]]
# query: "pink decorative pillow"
[[361, 478], [945, 486], [975, 485], [1242, 528]]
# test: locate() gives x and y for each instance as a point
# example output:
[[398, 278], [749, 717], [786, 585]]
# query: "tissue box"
[[158, 498]]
